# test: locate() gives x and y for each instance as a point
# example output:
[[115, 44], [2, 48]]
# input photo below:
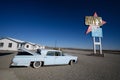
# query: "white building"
[[14, 44]]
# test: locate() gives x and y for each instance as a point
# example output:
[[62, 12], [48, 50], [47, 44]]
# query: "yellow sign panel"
[[91, 20]]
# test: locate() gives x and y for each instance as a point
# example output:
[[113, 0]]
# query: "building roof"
[[12, 39], [18, 41]]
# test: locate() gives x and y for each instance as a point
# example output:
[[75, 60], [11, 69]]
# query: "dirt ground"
[[87, 68]]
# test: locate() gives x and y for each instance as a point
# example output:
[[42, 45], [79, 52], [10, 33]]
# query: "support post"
[[100, 45], [94, 46], [97, 43]]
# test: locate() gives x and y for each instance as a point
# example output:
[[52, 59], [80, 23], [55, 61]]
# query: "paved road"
[[87, 68]]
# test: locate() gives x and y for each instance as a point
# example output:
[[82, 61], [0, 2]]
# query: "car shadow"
[[55, 65], [4, 54], [17, 66], [42, 66]]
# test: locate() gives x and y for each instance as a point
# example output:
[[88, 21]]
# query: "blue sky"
[[47, 21]]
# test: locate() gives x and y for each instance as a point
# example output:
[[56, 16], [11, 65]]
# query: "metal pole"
[[100, 45], [94, 46], [55, 43]]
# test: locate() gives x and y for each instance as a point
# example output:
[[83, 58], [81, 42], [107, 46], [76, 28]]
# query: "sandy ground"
[[87, 68]]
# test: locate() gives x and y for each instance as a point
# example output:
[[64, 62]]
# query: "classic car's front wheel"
[[37, 64]]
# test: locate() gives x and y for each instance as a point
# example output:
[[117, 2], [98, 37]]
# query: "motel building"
[[12, 44]]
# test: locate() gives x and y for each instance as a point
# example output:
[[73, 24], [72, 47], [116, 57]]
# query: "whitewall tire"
[[37, 64]]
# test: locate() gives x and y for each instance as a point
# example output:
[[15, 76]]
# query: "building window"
[[27, 46], [10, 45], [1, 44], [17, 45]]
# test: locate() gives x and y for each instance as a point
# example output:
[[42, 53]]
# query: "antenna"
[[55, 43]]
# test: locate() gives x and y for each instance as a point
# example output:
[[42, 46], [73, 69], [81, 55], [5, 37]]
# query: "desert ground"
[[87, 68]]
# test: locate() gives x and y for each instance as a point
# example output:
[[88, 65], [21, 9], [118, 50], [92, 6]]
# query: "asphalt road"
[[87, 68]]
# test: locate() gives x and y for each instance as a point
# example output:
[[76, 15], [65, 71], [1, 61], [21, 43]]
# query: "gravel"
[[87, 68]]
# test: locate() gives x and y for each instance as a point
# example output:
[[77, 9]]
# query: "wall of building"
[[15, 45], [33, 47], [6, 45], [36, 47], [42, 47], [29, 46]]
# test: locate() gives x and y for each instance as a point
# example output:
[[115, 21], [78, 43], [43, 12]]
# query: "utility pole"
[[55, 43]]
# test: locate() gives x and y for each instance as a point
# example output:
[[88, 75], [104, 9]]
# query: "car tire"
[[37, 64], [71, 62]]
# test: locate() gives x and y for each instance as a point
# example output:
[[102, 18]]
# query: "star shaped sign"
[[94, 21]]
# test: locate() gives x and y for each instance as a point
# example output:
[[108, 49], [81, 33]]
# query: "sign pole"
[[97, 43], [94, 46], [100, 45]]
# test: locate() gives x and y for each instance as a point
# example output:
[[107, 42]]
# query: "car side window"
[[57, 53], [23, 53], [50, 53], [63, 54]]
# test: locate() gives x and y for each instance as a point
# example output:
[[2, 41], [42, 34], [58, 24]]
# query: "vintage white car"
[[42, 57]]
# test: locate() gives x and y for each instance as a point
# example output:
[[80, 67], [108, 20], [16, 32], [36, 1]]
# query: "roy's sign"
[[91, 20]]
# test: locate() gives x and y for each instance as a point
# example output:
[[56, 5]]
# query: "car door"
[[60, 59], [49, 58]]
